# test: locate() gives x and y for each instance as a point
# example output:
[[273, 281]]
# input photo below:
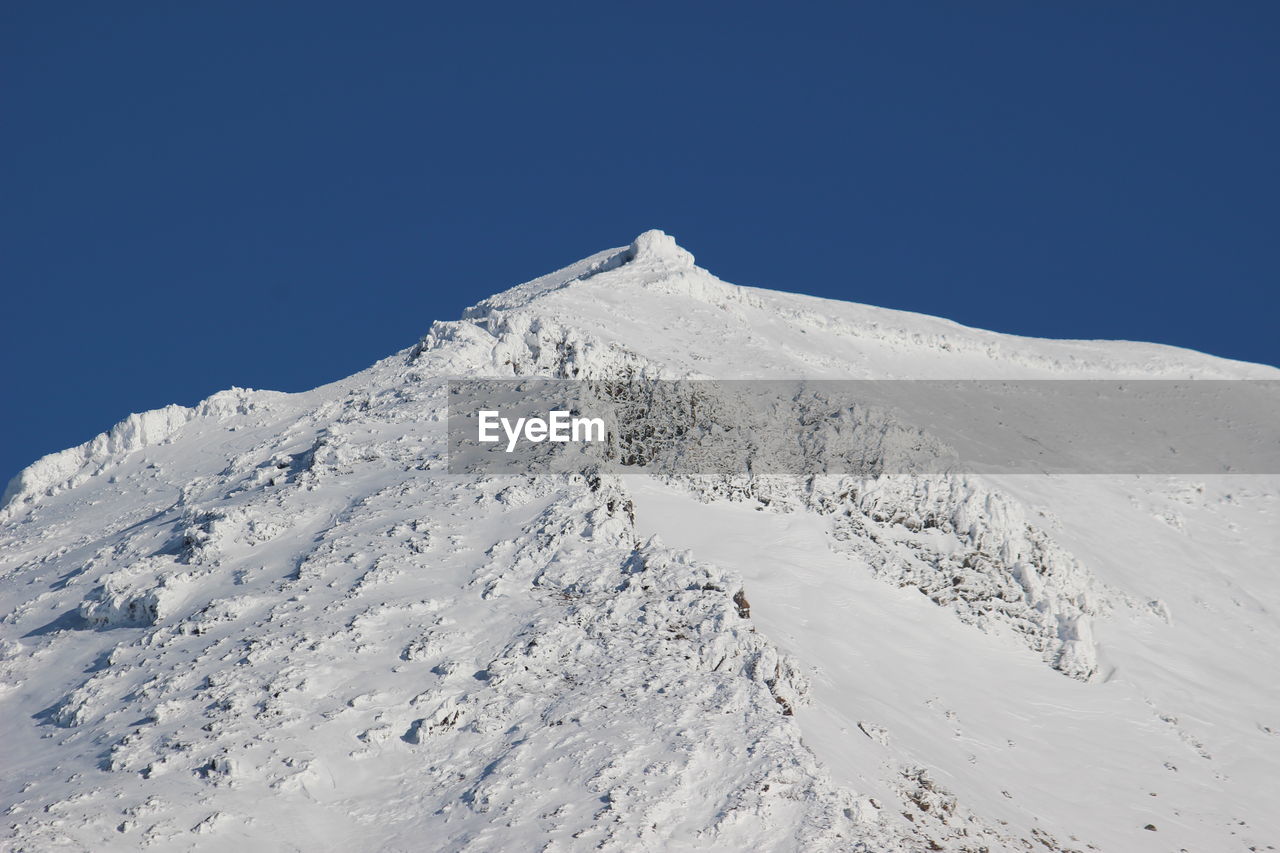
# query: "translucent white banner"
[[866, 427]]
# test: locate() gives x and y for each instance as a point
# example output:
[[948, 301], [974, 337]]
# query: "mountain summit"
[[276, 621], [657, 248]]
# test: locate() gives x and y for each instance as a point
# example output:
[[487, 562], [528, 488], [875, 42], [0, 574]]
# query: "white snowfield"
[[275, 622]]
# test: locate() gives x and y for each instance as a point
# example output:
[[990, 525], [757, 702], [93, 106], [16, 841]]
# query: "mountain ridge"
[[662, 257]]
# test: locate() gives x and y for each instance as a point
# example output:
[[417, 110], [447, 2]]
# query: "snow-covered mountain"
[[276, 622]]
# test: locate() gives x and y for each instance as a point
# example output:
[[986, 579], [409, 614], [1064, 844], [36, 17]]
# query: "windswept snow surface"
[[275, 622]]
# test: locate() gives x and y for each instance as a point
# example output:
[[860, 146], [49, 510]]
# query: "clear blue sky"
[[276, 194]]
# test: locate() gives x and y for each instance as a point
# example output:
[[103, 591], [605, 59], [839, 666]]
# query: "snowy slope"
[[276, 622]]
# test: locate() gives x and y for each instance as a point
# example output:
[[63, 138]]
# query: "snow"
[[1077, 759], [277, 622], [657, 250]]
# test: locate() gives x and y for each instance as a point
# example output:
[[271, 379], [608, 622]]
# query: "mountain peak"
[[659, 249], [281, 617]]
